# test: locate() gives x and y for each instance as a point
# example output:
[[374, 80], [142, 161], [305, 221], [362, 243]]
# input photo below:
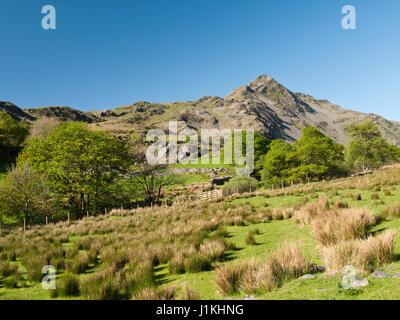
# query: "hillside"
[[263, 105], [189, 250]]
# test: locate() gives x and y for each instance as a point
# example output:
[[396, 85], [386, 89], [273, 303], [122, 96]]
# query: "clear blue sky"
[[104, 54]]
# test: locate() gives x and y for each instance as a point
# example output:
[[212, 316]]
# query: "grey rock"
[[396, 275], [380, 274], [307, 276], [359, 282], [249, 297]]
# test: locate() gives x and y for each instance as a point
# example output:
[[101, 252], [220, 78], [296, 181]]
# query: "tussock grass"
[[332, 226], [166, 293], [365, 255], [257, 276]]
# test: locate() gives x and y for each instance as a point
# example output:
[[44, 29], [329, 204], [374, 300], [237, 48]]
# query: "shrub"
[[241, 184]]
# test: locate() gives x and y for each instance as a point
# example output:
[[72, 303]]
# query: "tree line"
[[315, 156], [68, 168], [60, 169]]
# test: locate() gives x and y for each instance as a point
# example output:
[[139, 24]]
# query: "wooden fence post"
[[68, 218], [0, 229], [87, 213], [24, 224], [47, 222]]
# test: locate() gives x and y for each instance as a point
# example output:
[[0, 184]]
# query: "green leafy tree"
[[12, 135], [276, 163], [83, 165], [317, 155], [312, 157], [26, 194], [149, 179], [367, 149]]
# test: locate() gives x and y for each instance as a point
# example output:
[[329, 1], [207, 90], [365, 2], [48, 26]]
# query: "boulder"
[[380, 274], [307, 276]]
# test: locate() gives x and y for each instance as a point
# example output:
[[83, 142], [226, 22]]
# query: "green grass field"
[[270, 236]]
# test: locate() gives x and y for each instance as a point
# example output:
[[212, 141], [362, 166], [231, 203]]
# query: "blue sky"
[[104, 54]]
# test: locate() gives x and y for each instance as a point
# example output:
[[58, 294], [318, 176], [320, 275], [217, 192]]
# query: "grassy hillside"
[[183, 251]]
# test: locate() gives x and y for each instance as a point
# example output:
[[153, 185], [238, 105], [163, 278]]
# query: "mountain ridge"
[[263, 105]]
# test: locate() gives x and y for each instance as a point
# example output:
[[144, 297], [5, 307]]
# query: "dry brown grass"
[[365, 255], [258, 276], [310, 210], [166, 293], [332, 226]]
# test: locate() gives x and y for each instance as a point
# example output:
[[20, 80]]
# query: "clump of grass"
[[188, 293], [387, 191], [176, 264], [357, 196], [250, 237], [346, 224], [277, 214], [227, 277], [11, 282], [80, 263], [254, 276], [7, 269], [365, 255], [214, 250], [341, 204], [166, 293], [197, 262], [287, 262], [34, 265], [394, 210], [374, 196], [238, 221], [311, 210], [67, 286]]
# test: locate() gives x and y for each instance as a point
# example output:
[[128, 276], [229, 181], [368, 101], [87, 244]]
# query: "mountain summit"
[[263, 105]]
